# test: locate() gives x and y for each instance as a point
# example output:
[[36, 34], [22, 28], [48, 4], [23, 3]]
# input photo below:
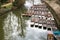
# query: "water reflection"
[[12, 30], [12, 27]]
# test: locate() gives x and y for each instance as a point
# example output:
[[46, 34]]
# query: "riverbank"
[[5, 8]]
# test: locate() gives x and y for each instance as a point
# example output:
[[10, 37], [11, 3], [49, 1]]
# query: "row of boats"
[[42, 18]]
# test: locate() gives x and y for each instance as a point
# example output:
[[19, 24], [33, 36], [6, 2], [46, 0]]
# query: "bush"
[[18, 3], [4, 1]]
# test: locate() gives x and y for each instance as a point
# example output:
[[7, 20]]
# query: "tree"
[[18, 3], [3, 1]]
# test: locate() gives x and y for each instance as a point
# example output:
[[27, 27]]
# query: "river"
[[10, 24]]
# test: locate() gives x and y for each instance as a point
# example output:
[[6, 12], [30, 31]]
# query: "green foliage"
[[3, 1], [18, 3]]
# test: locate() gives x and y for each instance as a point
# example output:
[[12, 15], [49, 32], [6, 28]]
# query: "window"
[[40, 27], [32, 25], [44, 28], [36, 25], [49, 29]]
